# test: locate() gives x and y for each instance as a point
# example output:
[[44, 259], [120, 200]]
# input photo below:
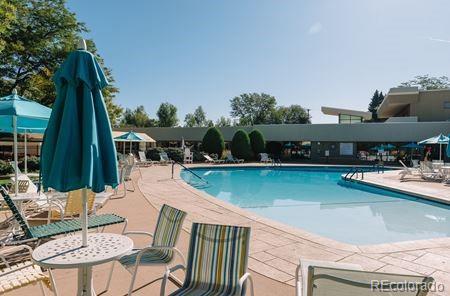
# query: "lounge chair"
[[143, 161], [15, 274], [428, 174], [162, 250], [209, 159], [37, 233], [23, 186], [164, 158], [188, 156], [264, 157], [319, 278], [231, 158], [407, 171], [217, 262]]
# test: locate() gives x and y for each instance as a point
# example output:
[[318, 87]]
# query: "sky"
[[312, 52]]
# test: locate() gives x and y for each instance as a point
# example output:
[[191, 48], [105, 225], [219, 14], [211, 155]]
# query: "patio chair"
[[162, 250], [164, 158], [231, 158], [125, 177], [37, 233], [72, 206], [16, 274], [217, 262], [319, 278], [23, 186], [188, 156], [428, 174], [264, 157], [209, 159], [407, 171], [143, 161]]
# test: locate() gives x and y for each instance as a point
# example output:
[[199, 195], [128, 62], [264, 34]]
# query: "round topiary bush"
[[240, 145], [257, 142], [213, 142]]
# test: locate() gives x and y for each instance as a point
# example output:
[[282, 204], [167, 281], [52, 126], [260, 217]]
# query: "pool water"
[[317, 200]]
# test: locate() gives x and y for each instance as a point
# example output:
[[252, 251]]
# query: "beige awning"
[[144, 136]]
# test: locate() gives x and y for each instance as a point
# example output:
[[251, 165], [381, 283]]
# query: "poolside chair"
[[217, 262], [407, 171], [37, 233], [15, 274], [164, 158], [319, 278], [71, 207], [143, 161], [23, 186], [428, 174], [162, 250], [209, 159], [264, 157], [125, 177], [231, 158], [188, 156]]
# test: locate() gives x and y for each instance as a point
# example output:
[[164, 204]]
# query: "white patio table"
[[67, 252]]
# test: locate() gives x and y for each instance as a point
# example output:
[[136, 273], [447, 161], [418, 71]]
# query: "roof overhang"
[[339, 111], [397, 99]]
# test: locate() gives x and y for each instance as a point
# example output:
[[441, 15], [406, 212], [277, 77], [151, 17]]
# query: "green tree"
[[137, 118], [253, 108], [197, 119], [33, 44], [427, 83], [375, 102], [293, 114], [257, 142], [213, 141], [223, 121], [240, 145], [167, 115]]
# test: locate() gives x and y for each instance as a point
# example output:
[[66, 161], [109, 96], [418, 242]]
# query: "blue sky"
[[312, 53]]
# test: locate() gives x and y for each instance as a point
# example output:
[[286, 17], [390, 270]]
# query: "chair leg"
[[133, 279], [164, 282], [53, 283], [108, 283], [41, 285]]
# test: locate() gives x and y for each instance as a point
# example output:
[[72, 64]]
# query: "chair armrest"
[[137, 233], [144, 250], [243, 279], [10, 250]]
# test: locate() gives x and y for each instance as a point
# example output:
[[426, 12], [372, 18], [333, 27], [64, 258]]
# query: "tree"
[[197, 119], [137, 118], [253, 108], [223, 121], [375, 102], [240, 145], [293, 114], [213, 141], [167, 115], [34, 41], [427, 83], [257, 142]]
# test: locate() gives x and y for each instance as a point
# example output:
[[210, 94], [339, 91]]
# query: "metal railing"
[[187, 169], [354, 172]]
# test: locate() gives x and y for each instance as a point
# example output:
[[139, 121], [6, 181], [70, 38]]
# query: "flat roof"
[[340, 111]]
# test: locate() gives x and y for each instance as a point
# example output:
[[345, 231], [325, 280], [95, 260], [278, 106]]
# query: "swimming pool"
[[317, 200]]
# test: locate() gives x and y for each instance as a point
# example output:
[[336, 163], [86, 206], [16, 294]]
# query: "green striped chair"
[[217, 262], [162, 249], [37, 233]]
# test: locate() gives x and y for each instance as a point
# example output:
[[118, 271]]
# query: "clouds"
[[316, 28], [439, 40]]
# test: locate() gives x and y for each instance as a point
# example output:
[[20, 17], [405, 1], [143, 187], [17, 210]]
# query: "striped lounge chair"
[[217, 262], [17, 274], [162, 249], [37, 233]]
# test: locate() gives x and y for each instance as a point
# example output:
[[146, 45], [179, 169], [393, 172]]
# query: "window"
[[447, 105], [343, 118]]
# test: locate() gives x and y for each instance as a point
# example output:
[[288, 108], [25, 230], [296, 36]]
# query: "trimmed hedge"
[[274, 148], [240, 145], [33, 164], [213, 142], [173, 153], [257, 142]]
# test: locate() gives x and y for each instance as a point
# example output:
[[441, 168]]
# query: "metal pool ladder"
[[204, 184], [354, 172]]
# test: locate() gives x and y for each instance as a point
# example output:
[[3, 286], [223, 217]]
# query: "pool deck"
[[275, 248]]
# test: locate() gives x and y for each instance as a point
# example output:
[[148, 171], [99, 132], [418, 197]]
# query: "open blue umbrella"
[[78, 150], [128, 137], [439, 139], [21, 115], [412, 145]]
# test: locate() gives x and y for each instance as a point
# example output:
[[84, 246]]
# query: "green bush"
[[175, 154], [257, 142], [213, 142], [274, 148], [5, 168], [240, 145], [33, 164]]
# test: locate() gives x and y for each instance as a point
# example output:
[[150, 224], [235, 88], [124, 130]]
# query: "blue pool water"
[[317, 200]]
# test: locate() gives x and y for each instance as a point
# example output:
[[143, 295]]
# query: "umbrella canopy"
[[21, 115], [412, 145], [439, 139], [448, 147], [376, 148], [388, 147], [129, 137]]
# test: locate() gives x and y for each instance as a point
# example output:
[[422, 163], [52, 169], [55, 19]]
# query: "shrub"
[[153, 153], [213, 142], [274, 148], [173, 153], [240, 145], [5, 168], [257, 142]]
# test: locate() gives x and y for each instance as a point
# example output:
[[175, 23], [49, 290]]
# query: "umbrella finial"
[[82, 44], [14, 92]]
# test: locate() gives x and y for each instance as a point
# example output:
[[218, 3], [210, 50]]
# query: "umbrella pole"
[[84, 218], [25, 149], [16, 164], [131, 144], [440, 151]]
